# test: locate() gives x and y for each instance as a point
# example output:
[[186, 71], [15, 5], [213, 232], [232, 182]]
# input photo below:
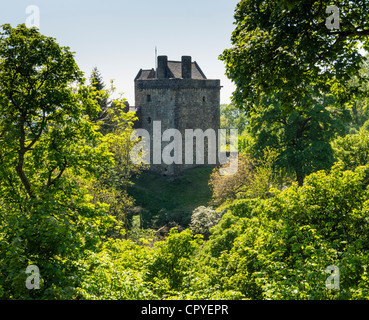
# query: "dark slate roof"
[[174, 71], [145, 74]]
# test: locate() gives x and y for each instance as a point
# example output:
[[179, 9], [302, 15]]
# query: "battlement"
[[175, 83]]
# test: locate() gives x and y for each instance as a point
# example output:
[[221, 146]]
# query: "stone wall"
[[179, 104]]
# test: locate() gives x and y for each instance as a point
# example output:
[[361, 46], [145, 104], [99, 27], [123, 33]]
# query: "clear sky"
[[119, 37]]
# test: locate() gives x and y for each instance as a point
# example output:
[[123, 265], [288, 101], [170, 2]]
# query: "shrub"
[[279, 248], [202, 219]]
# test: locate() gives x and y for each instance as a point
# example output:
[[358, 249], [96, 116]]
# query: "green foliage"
[[352, 150], [365, 126], [295, 78], [174, 257], [279, 248], [232, 118], [302, 139], [285, 51], [359, 106], [115, 272], [45, 139], [253, 179], [110, 111], [65, 172], [116, 125], [142, 236], [112, 186], [246, 142], [274, 248], [123, 270]]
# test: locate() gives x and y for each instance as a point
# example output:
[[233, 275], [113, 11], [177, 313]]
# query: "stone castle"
[[179, 95]]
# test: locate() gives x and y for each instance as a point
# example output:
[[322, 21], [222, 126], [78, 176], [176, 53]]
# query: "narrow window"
[[149, 120], [148, 98], [203, 99]]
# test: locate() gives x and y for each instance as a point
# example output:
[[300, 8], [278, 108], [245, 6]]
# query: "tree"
[[98, 85], [359, 107], [301, 138], [116, 124], [284, 55], [46, 143], [174, 257], [352, 150], [279, 248], [284, 48], [111, 187], [226, 187], [110, 110], [232, 118], [253, 179]]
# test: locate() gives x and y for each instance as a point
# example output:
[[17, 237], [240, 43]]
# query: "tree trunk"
[[300, 178], [21, 155]]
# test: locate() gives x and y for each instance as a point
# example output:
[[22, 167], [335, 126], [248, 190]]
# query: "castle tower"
[[179, 96]]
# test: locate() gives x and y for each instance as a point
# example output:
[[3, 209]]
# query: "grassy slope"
[[168, 199]]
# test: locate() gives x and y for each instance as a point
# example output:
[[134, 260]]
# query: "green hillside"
[[164, 199]]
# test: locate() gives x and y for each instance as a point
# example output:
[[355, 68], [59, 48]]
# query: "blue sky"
[[119, 37]]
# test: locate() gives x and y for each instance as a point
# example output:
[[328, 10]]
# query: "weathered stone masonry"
[[180, 96]]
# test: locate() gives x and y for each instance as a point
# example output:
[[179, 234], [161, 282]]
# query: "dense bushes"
[[115, 272], [275, 248], [353, 149], [281, 246]]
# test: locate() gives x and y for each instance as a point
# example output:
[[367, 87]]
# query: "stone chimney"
[[186, 67], [162, 67]]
